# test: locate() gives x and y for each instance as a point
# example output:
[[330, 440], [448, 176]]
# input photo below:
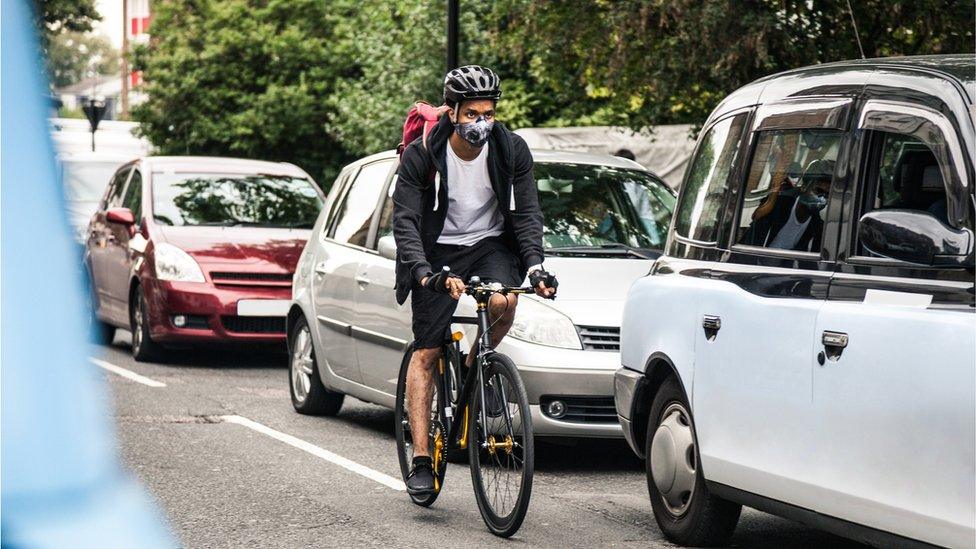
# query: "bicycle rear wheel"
[[437, 436], [501, 453]]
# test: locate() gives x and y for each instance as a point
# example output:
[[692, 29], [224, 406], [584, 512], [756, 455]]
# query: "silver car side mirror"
[[387, 247]]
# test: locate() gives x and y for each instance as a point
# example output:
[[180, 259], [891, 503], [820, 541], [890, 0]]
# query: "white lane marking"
[[129, 374], [898, 299], [384, 479]]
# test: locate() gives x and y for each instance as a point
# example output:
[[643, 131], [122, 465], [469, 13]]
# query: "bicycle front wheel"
[[436, 435], [501, 451]]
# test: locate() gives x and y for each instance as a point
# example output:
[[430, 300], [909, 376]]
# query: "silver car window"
[[358, 206]]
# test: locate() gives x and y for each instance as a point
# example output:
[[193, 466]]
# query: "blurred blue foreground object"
[[61, 485]]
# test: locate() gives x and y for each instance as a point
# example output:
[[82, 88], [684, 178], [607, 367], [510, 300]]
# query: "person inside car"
[[465, 200], [789, 217]]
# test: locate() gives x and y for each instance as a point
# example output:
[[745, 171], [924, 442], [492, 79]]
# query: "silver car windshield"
[[234, 200], [601, 206]]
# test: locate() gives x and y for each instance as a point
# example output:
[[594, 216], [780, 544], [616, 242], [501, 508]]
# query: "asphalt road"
[[221, 483]]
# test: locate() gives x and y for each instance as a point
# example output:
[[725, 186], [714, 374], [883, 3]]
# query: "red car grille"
[[252, 279], [254, 324]]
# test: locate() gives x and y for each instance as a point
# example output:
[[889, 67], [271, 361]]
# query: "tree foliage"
[[243, 78], [56, 16], [671, 61], [396, 57], [72, 55], [319, 83]]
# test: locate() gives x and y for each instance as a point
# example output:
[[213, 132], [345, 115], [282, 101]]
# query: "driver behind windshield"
[[593, 214]]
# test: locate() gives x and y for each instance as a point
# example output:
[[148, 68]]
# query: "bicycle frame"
[[483, 351]]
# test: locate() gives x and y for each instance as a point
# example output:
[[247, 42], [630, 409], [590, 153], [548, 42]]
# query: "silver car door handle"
[[320, 269], [362, 280]]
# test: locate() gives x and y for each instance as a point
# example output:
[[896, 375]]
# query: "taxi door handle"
[[362, 279], [834, 344], [712, 324], [835, 339]]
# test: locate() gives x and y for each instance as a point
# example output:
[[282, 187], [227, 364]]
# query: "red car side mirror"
[[122, 216]]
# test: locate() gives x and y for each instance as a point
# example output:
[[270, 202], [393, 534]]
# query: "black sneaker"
[[420, 481]]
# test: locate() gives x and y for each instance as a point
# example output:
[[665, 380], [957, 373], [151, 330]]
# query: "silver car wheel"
[[673, 459], [301, 365]]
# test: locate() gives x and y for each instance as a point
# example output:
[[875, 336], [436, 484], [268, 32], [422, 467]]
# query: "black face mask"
[[476, 133]]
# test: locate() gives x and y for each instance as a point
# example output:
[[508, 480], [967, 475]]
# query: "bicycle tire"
[[402, 429], [482, 460]]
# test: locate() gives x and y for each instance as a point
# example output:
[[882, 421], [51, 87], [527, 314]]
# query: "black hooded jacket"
[[418, 215]]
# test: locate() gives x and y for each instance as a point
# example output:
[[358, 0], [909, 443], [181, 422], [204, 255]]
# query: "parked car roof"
[[221, 165]]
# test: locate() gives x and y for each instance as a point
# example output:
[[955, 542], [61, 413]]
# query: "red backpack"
[[421, 118]]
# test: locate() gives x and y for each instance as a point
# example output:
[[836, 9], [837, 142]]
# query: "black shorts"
[[490, 259]]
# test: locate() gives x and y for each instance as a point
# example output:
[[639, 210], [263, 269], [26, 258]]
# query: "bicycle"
[[496, 429]]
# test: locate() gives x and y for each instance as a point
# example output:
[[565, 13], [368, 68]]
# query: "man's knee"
[[425, 358], [502, 307]]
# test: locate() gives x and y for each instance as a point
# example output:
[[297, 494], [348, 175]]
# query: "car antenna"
[[857, 34]]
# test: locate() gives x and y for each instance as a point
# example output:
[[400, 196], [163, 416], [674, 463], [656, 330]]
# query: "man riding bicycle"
[[465, 198]]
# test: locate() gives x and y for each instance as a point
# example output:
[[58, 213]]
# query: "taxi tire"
[[709, 520]]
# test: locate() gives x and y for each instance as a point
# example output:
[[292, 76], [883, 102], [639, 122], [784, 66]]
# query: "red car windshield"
[[234, 200]]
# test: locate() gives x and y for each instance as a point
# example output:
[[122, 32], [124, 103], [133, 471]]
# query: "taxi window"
[[703, 193]]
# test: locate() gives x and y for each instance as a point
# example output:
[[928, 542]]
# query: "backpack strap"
[[434, 177]]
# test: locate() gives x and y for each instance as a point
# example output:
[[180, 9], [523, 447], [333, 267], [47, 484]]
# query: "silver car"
[[605, 221]]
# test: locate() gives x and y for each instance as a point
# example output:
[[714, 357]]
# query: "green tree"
[[399, 57], [396, 55], [244, 78], [670, 61], [67, 15], [72, 55]]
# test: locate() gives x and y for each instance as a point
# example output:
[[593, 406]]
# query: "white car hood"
[[592, 289]]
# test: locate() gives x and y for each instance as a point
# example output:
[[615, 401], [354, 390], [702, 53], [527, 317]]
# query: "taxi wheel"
[[683, 507]]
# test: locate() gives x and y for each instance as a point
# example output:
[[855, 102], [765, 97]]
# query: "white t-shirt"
[[472, 208], [789, 235]]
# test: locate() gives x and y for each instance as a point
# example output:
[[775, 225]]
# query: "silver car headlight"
[[174, 264], [539, 323]]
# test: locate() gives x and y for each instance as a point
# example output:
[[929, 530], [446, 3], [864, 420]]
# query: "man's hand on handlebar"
[[444, 283], [544, 283]]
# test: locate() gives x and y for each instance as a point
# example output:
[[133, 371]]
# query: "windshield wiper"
[[614, 248]]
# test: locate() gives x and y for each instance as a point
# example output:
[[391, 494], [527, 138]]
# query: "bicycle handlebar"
[[474, 285]]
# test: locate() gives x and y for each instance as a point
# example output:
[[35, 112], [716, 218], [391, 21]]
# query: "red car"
[[187, 250]]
